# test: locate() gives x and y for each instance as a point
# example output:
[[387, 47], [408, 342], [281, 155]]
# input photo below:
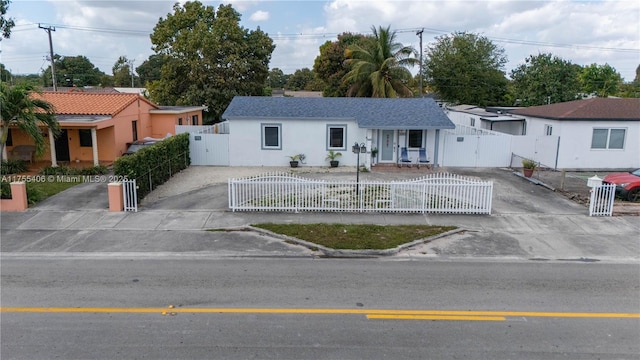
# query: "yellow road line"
[[317, 311], [437, 317]]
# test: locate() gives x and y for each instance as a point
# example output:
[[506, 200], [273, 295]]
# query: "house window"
[[336, 137], [271, 136], [548, 129], [415, 138], [134, 130], [9, 139], [194, 120], [608, 138], [472, 121], [179, 121], [85, 138]]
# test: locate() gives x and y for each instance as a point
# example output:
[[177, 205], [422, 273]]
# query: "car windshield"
[[136, 147], [636, 172]]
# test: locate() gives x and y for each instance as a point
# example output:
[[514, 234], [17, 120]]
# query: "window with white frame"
[[336, 137], [415, 138], [608, 138], [271, 136], [548, 129]]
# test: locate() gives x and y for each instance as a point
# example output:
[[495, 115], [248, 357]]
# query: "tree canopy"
[[6, 24], [330, 66], [74, 71], [21, 109], [545, 79], [208, 57], [380, 69], [151, 69], [466, 68], [122, 72], [603, 80]]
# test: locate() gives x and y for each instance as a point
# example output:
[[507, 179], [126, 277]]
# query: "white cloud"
[[260, 16]]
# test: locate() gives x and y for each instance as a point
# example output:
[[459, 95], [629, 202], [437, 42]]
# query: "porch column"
[[435, 150], [52, 148], [4, 153], [368, 142], [94, 146]]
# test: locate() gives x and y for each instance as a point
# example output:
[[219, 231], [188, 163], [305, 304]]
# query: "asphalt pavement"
[[528, 222]]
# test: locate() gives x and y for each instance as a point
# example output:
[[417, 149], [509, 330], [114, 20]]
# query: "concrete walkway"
[[528, 222]]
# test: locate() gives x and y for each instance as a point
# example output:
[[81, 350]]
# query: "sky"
[[583, 32]]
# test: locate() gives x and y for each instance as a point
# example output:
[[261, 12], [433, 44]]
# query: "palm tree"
[[21, 109], [380, 69]]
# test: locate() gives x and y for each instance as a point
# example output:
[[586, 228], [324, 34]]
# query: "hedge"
[[153, 165]]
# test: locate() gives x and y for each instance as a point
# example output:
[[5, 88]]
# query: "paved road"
[[300, 308]]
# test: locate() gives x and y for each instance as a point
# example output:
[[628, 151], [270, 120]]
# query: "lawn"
[[38, 191], [356, 237]]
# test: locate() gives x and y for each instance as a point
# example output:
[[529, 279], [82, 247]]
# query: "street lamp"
[[357, 149]]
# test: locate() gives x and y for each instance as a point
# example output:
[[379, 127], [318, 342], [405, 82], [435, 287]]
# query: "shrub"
[[5, 190], [154, 165], [65, 170], [34, 194], [13, 166]]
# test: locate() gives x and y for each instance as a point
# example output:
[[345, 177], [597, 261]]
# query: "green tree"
[[21, 109], [151, 69], [466, 68], [300, 79], [210, 58], [631, 89], [5, 23], [277, 79], [74, 71], [545, 79], [122, 72], [603, 80], [330, 67], [5, 75], [380, 70]]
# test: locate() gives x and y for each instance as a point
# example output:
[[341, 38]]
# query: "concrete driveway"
[[511, 194]]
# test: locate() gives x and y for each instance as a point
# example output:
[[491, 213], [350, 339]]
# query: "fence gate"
[[601, 202], [130, 195]]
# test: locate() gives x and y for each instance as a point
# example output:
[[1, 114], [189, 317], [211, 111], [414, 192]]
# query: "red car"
[[627, 184]]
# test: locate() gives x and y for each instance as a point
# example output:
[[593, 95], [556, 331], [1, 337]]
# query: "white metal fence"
[[130, 195], [435, 193], [601, 202]]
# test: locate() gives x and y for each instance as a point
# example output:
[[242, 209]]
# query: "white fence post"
[[130, 195], [601, 201]]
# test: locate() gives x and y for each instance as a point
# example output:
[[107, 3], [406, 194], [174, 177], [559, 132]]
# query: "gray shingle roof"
[[372, 113]]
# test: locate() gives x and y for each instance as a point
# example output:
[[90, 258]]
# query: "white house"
[[266, 131], [597, 133], [494, 119]]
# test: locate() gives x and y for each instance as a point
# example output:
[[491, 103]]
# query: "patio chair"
[[404, 158], [422, 157]]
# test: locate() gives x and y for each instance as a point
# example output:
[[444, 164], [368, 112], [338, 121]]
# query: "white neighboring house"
[[595, 134], [266, 131], [494, 119]]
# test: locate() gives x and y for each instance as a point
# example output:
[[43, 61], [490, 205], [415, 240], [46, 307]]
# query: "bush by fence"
[[154, 165]]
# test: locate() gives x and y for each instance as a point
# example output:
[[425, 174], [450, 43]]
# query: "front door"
[[387, 145], [62, 146]]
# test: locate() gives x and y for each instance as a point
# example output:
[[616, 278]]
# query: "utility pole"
[[419, 33], [131, 68], [53, 68]]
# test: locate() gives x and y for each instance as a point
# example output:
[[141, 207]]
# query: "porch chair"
[[404, 158], [422, 157]]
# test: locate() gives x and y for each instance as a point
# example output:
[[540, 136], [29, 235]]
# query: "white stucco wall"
[[575, 143], [308, 137]]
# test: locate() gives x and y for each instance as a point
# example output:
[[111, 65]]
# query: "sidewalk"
[[515, 236]]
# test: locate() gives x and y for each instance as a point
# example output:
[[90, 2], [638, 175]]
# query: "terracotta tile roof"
[[590, 109], [81, 103]]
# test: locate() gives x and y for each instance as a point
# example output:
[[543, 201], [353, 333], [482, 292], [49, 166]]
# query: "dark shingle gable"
[[590, 109], [368, 112]]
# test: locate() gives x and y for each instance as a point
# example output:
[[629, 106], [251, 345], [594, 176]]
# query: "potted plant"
[[294, 160], [528, 166], [332, 156], [374, 155]]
